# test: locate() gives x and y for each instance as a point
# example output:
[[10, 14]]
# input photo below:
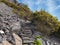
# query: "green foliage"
[[45, 22], [37, 41], [57, 34]]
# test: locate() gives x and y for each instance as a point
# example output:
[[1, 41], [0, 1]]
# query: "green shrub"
[[37, 42]]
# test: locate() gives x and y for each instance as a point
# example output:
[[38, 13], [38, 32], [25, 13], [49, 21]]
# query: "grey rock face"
[[9, 22], [9, 18]]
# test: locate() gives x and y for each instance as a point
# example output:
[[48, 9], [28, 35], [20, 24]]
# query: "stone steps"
[[27, 41], [26, 33]]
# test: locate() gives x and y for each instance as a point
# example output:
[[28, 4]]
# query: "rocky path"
[[26, 33], [26, 36]]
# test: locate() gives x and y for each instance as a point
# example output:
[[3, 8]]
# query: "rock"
[[17, 39], [9, 23], [9, 18], [1, 39], [10, 38]]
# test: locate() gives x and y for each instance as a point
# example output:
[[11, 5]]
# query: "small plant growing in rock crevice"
[[38, 41]]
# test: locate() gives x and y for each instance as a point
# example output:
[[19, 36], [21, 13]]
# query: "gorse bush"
[[45, 22]]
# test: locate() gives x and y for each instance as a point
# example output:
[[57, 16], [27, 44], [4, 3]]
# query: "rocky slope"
[[9, 22], [16, 31]]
